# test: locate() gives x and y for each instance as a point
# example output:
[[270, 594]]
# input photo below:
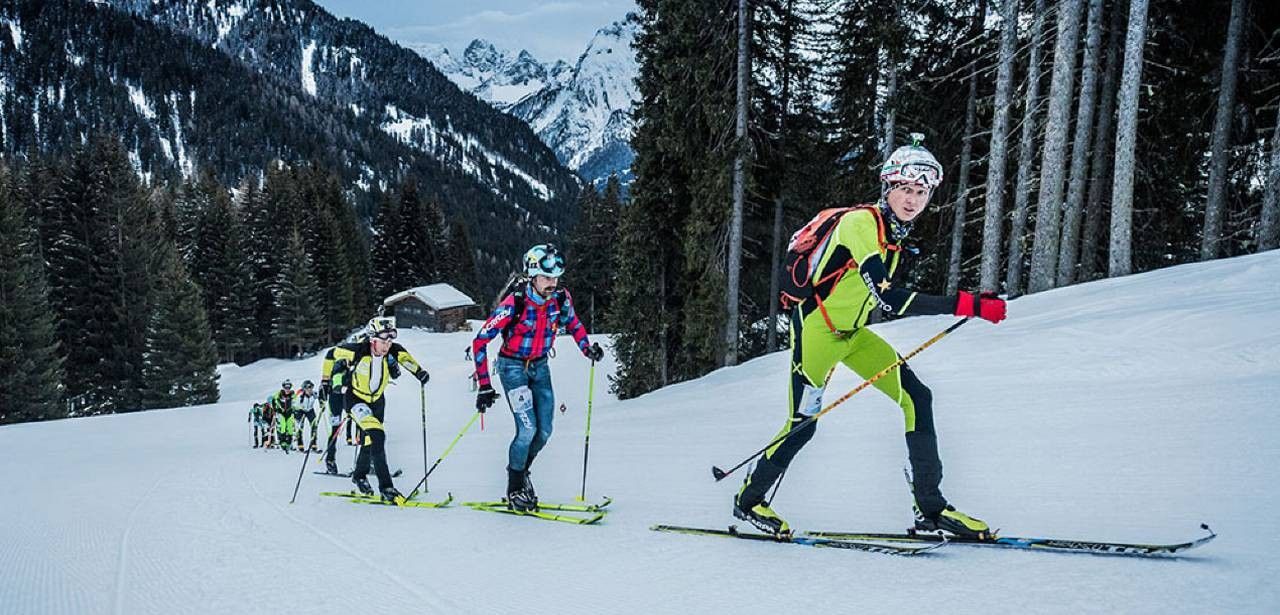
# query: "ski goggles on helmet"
[[921, 173], [552, 262], [544, 260], [387, 335]]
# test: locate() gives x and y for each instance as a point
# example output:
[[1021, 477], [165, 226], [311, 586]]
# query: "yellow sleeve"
[[404, 358], [859, 233]]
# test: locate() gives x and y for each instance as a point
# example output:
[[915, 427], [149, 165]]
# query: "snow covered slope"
[[1128, 409]]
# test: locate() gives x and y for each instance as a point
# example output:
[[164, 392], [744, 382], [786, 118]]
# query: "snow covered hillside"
[[1128, 409]]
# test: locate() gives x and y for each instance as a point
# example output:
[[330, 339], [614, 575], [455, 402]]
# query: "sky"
[[556, 30]]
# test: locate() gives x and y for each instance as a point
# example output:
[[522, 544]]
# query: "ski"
[[546, 516], [1031, 544], [360, 498], [810, 541], [551, 506], [395, 474]]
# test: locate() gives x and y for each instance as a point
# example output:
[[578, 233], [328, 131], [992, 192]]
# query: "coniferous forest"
[[1080, 139], [122, 295]]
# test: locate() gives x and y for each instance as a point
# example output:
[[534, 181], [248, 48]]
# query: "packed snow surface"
[[1129, 409]]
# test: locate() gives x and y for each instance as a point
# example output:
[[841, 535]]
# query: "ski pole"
[[423, 482], [586, 441], [720, 474], [423, 396], [301, 470]]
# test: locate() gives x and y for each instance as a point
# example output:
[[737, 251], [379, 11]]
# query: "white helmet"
[[380, 326], [912, 164]]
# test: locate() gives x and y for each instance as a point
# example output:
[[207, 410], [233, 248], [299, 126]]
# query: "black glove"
[[325, 387], [422, 376], [485, 398], [595, 352]]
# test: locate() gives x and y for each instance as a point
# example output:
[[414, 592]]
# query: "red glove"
[[986, 306]]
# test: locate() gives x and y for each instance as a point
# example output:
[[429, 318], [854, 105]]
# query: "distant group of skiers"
[[287, 414], [841, 271]]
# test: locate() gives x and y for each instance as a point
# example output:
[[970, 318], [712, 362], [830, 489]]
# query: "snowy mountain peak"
[[482, 55], [497, 76], [587, 120], [583, 110]]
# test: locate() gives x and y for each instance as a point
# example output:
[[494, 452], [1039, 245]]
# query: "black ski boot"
[[330, 466], [391, 496], [761, 516], [528, 489], [362, 485], [952, 521], [518, 497]]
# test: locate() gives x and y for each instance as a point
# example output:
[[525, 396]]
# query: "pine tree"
[[590, 254], [325, 245], [218, 259], [461, 259], [386, 250], [30, 383], [647, 300], [180, 360], [68, 236], [298, 323]]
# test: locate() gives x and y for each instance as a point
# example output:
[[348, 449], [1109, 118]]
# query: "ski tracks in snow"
[[123, 561], [435, 603]]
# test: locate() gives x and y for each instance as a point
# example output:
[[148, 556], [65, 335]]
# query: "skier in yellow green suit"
[[364, 369], [848, 276]]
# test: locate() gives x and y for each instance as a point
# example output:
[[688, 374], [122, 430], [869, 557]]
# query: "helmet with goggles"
[[381, 327], [544, 259], [912, 164]]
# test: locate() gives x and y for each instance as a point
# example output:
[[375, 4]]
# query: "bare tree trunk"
[[775, 242], [966, 155], [890, 99], [1080, 148], [1026, 156], [739, 189], [1103, 148], [993, 222], [1121, 255], [1211, 238], [1044, 251], [1269, 228]]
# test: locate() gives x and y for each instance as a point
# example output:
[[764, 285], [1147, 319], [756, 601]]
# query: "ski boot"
[[391, 496], [528, 489], [330, 466], [362, 485], [519, 497], [952, 521], [763, 517]]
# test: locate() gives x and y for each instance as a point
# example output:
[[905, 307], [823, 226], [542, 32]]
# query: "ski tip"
[[718, 473]]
